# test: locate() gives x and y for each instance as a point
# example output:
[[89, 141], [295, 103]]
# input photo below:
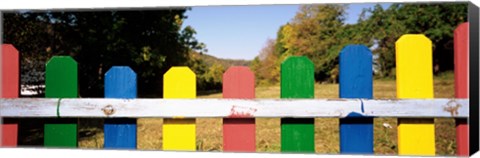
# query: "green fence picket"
[[61, 82], [297, 81]]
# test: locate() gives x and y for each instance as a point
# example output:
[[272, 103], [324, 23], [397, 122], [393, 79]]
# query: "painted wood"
[[356, 81], [460, 40], [120, 82], [415, 80], [32, 152], [239, 133], [10, 72], [1, 69], [179, 133], [297, 81], [462, 139], [9, 88], [61, 82], [226, 108], [9, 133]]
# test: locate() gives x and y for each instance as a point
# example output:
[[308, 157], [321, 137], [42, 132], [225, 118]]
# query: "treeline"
[[149, 41], [320, 32], [209, 70]]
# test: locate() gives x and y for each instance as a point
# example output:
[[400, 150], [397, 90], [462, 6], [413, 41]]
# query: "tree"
[[266, 65], [209, 73], [313, 33], [436, 21], [214, 76], [149, 41]]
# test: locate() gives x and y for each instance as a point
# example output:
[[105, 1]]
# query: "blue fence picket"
[[356, 134], [120, 82]]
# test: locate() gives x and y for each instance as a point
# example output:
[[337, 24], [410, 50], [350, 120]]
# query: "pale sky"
[[240, 32]]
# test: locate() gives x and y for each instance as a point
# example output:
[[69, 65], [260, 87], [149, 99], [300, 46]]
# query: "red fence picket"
[[9, 88], [239, 133], [461, 40]]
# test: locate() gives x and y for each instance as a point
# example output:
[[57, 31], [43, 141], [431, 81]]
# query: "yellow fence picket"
[[415, 80], [178, 133]]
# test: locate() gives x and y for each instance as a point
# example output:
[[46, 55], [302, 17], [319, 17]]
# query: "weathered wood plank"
[[59, 153], [197, 108]]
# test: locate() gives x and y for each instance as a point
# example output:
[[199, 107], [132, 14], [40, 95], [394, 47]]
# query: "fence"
[[414, 107]]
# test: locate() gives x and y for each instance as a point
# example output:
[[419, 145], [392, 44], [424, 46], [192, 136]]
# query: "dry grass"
[[209, 130]]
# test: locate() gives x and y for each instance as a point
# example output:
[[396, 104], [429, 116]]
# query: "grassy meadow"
[[209, 130]]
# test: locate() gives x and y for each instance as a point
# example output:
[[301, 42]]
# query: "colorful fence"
[[297, 108]]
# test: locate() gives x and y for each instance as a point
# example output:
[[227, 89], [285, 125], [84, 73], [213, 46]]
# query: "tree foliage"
[[209, 73], [319, 32], [266, 66], [436, 21], [313, 33], [149, 41]]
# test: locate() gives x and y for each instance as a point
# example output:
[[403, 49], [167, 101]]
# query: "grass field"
[[209, 130]]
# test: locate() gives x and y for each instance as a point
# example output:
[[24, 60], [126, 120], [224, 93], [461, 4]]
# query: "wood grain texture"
[[179, 133], [239, 133], [120, 82], [461, 58], [204, 108], [297, 81], [9, 88], [61, 81], [356, 81], [415, 80]]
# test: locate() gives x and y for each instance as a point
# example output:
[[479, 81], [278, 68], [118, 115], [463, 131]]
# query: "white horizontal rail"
[[76, 153], [197, 108]]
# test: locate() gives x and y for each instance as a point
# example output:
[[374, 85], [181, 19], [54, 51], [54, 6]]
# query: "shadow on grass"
[[30, 132], [209, 92]]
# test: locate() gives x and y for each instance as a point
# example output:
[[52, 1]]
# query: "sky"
[[240, 32]]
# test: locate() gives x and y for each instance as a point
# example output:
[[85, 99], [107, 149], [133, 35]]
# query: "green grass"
[[209, 130]]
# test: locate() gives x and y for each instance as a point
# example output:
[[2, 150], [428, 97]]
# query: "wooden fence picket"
[[415, 80], [61, 81], [297, 81], [9, 88], [356, 81], [239, 133], [179, 133], [460, 40], [120, 82]]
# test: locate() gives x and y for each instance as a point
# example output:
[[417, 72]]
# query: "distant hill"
[[210, 60]]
